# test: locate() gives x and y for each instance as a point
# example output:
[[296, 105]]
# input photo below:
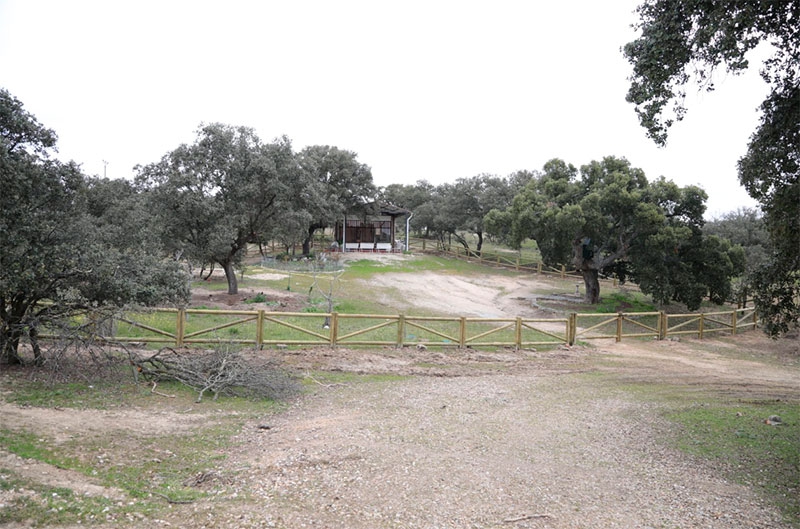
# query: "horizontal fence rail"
[[258, 328], [710, 322]]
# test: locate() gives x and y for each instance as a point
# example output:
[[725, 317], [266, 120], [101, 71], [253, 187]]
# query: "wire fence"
[[323, 263]]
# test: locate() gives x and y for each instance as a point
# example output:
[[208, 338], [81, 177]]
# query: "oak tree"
[[469, 200], [60, 257], [607, 219], [220, 193], [335, 183], [687, 41]]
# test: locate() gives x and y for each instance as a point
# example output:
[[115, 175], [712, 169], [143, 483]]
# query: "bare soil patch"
[[276, 300], [490, 296]]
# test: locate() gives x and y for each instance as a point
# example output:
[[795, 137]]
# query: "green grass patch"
[[112, 386], [624, 302], [211, 284], [162, 464], [148, 468], [365, 268], [258, 298], [732, 435], [527, 253], [43, 506], [32, 446], [755, 453], [79, 395]]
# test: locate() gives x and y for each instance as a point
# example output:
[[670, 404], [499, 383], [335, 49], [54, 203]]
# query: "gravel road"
[[531, 448]]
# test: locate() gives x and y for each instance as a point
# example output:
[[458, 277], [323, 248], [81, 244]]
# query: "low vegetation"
[[150, 471], [755, 441]]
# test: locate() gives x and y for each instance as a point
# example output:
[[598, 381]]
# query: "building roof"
[[384, 209], [392, 210]]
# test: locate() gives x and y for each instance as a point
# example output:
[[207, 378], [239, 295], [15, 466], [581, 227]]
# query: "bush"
[[258, 298]]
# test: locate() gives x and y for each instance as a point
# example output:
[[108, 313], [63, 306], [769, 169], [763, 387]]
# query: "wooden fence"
[[516, 263], [488, 258], [259, 328]]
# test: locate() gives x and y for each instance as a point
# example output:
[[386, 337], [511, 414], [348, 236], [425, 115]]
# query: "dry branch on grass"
[[222, 370]]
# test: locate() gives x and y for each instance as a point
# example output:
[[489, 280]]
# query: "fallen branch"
[[222, 370], [526, 517], [153, 390], [332, 385], [170, 500]]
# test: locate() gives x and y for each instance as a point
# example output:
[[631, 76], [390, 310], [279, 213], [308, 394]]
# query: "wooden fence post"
[[734, 317], [518, 333], [620, 317], [700, 325], [334, 327], [563, 272], [462, 338], [663, 325], [516, 267], [180, 328], [572, 323], [401, 330], [260, 329], [538, 267]]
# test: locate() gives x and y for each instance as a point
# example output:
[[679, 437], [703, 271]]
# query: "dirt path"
[[519, 439], [478, 440], [536, 447]]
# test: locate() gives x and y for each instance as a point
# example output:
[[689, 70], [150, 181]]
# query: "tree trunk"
[[230, 275], [307, 242], [38, 357], [480, 242], [210, 271], [592, 285], [10, 341], [587, 263]]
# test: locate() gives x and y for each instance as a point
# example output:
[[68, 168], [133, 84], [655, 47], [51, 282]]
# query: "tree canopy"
[[454, 211], [607, 219], [744, 227], [218, 194], [60, 245], [687, 41], [335, 183]]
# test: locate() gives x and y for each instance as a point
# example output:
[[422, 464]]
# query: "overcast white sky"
[[433, 90]]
